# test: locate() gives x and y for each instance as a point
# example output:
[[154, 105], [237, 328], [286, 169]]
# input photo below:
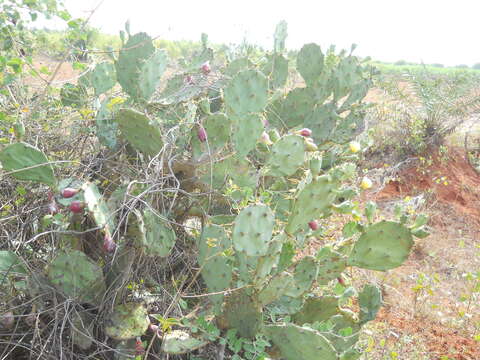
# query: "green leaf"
[[20, 156]]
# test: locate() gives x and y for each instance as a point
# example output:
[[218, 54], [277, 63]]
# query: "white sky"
[[432, 31]]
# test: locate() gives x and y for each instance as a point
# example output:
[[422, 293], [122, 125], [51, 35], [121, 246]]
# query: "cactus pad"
[[142, 133], [287, 156], [218, 128], [310, 62], [322, 121], [10, 264], [215, 269], [317, 309], [303, 276], [297, 106], [242, 312], [21, 155], [370, 301], [313, 201], [383, 246], [276, 288], [77, 276], [276, 70], [253, 230], [296, 342], [102, 78], [154, 237], [98, 207], [150, 74], [134, 53], [179, 342], [105, 128], [127, 321], [247, 129], [247, 92], [73, 95], [331, 264]]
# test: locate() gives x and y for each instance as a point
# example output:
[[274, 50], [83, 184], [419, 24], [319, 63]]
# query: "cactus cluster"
[[260, 166]]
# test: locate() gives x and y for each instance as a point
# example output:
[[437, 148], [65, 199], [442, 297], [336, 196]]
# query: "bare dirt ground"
[[430, 312]]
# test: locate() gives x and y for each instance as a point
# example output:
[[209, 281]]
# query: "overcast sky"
[[432, 31]]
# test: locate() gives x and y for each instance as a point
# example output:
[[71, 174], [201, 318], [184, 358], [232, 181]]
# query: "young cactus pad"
[[127, 321], [305, 273], [20, 156], [247, 92], [247, 128], [102, 78], [150, 74], [296, 342], [383, 246], [142, 133], [77, 276], [253, 230]]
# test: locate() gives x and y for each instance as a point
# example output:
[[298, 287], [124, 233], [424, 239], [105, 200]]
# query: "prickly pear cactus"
[[179, 342], [131, 59], [317, 309], [304, 274], [215, 267], [242, 312], [247, 92], [78, 277], [382, 246], [159, 238], [370, 301], [102, 78], [97, 207], [287, 156], [127, 321], [253, 230], [331, 264], [20, 156], [141, 132], [296, 342], [313, 201], [10, 264]]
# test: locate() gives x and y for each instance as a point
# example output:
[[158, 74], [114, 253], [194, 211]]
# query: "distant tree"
[[476, 66], [461, 66], [437, 65], [400, 62]]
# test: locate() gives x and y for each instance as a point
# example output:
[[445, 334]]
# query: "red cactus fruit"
[[76, 206], [189, 80], [139, 350], [206, 68], [202, 134], [109, 245], [305, 132], [68, 192], [313, 225]]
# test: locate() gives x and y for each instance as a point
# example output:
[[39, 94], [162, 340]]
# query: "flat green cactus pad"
[[77, 276], [127, 321], [247, 92], [383, 246], [159, 238], [246, 131], [18, 156], [179, 342], [242, 312], [310, 62], [141, 132], [215, 269], [296, 342], [253, 230], [370, 301], [287, 156], [317, 309], [10, 264], [102, 78], [150, 74]]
